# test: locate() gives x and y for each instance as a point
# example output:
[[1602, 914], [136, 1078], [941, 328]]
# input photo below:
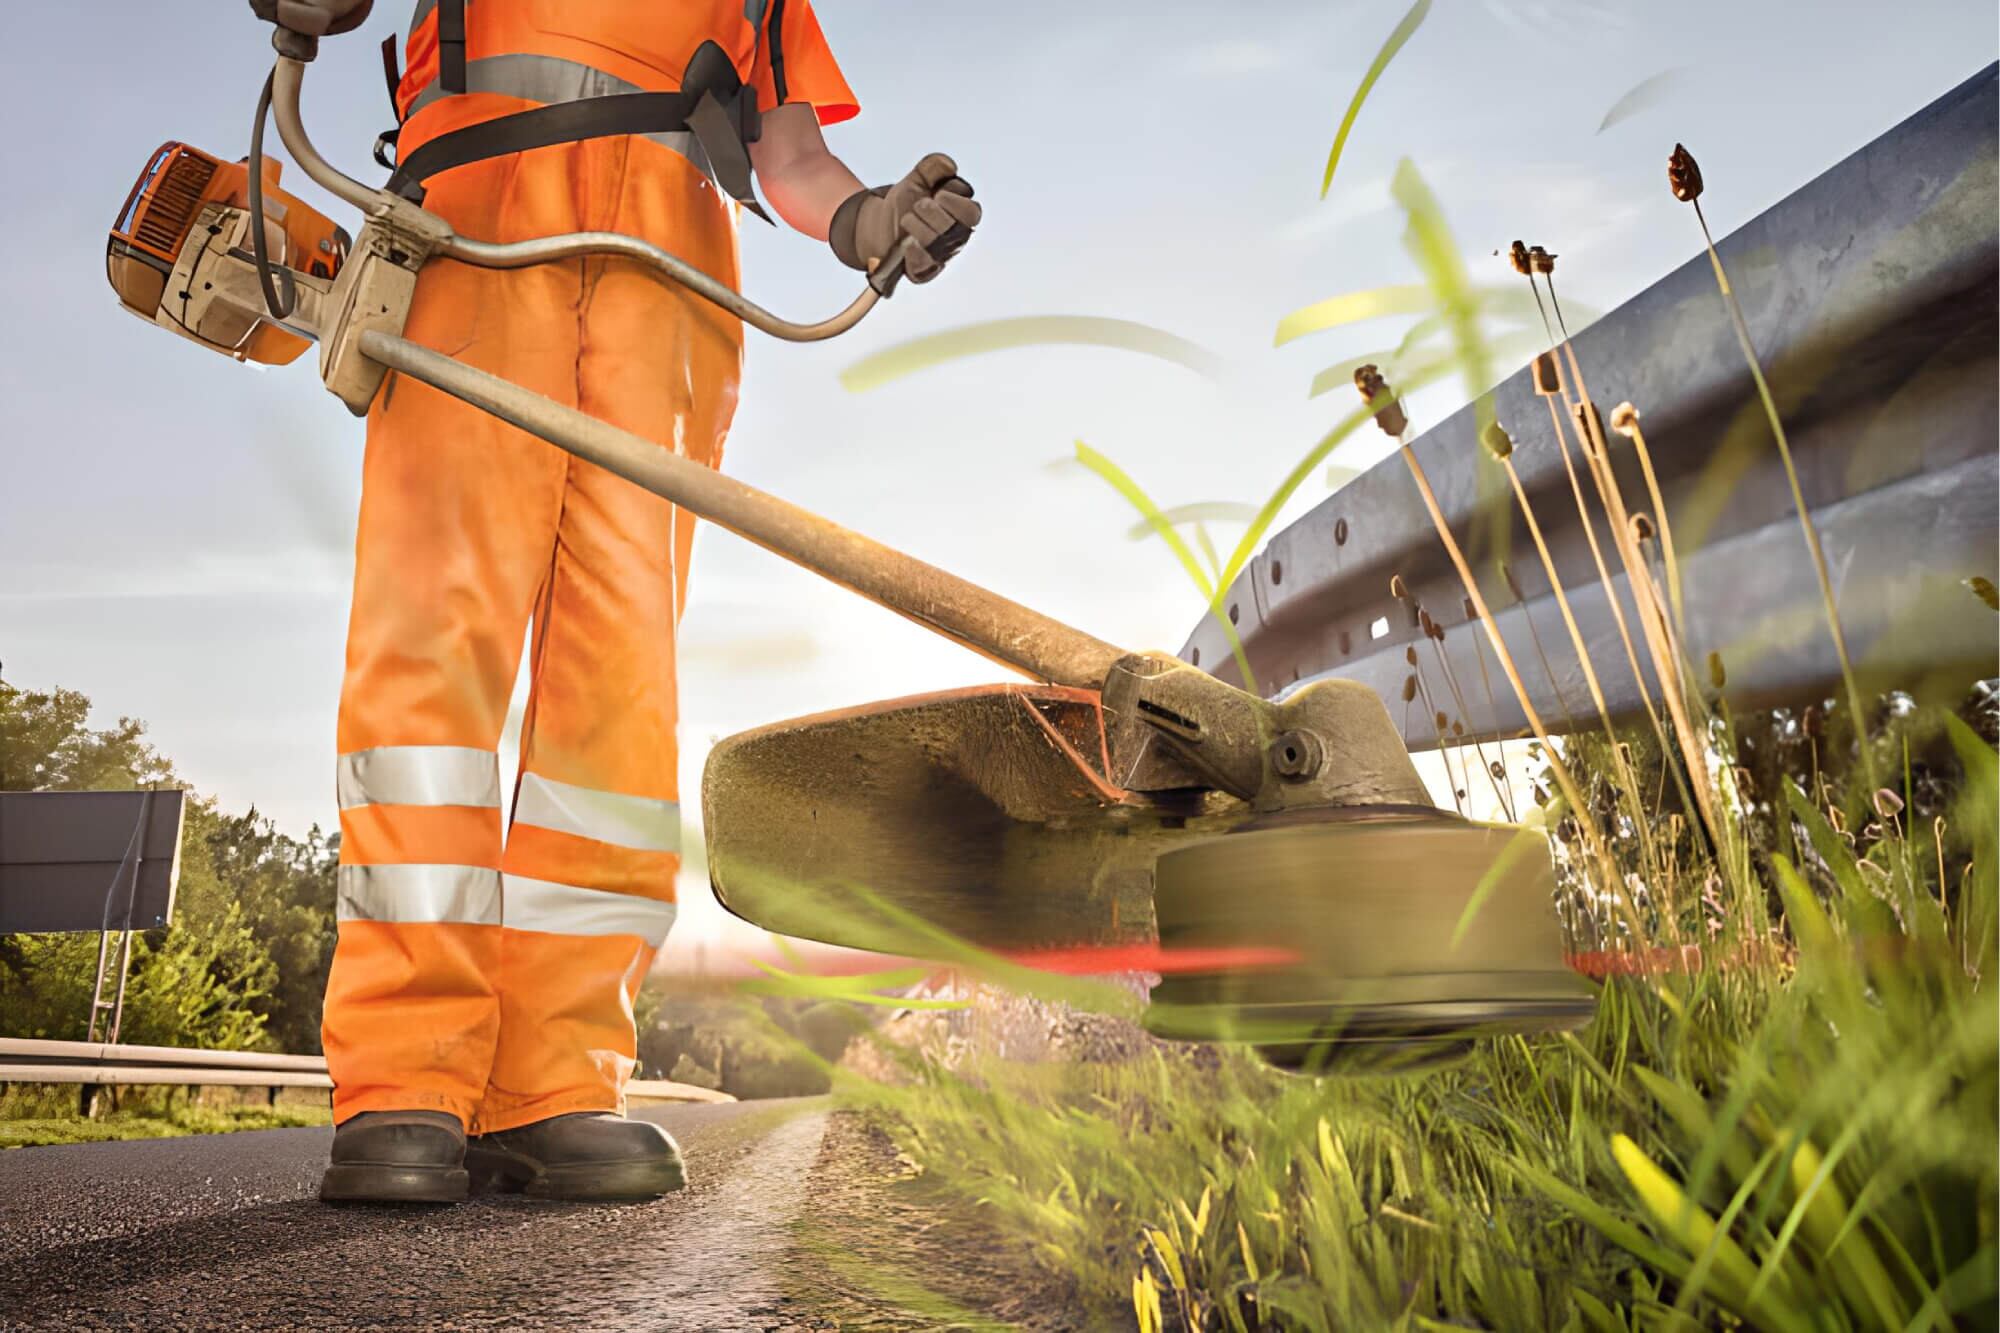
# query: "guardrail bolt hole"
[[1277, 572], [1234, 612], [1340, 532]]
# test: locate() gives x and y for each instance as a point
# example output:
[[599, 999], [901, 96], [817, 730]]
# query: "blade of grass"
[[1401, 34], [907, 358]]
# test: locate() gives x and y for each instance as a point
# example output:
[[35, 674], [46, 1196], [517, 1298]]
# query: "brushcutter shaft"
[[983, 621]]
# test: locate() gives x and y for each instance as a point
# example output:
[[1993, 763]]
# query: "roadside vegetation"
[[1786, 1114], [37, 1115], [243, 964]]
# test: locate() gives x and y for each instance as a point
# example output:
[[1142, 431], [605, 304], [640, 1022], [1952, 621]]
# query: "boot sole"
[[594, 1182], [366, 1182]]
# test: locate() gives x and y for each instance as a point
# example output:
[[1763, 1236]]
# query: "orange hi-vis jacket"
[[486, 966]]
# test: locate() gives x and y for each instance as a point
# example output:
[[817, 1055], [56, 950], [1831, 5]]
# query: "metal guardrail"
[[24, 1060], [1871, 296]]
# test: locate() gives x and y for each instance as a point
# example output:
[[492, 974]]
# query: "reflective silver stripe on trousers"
[[563, 909], [463, 895], [424, 7], [420, 775], [638, 822], [471, 896], [551, 80]]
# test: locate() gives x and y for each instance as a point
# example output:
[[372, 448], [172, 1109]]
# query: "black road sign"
[[73, 861]]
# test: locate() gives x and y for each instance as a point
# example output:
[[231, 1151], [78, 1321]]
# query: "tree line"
[[243, 964]]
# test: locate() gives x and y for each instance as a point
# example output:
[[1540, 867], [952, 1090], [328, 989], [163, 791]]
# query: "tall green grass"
[[1792, 1127], [1796, 1137]]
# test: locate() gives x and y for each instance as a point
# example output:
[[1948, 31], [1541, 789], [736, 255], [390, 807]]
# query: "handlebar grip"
[[885, 275]]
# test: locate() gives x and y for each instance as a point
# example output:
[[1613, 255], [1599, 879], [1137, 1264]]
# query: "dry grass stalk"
[[1625, 777], [1684, 175], [1625, 420], [1572, 795], [1652, 624]]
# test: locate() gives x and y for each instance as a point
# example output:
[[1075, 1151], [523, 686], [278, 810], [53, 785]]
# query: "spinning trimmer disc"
[[1414, 931]]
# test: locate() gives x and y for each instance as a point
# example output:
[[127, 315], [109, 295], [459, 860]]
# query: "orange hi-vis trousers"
[[490, 978]]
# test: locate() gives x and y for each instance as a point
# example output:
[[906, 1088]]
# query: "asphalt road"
[[224, 1231]]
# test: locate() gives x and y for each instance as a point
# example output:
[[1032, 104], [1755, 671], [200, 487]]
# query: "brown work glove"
[[313, 18], [932, 204]]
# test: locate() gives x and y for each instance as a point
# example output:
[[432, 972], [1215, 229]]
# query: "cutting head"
[[1359, 936], [1414, 930]]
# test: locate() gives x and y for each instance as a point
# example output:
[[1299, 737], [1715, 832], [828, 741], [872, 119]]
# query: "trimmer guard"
[[985, 812]]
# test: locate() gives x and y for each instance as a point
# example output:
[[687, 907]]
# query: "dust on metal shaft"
[[1119, 799]]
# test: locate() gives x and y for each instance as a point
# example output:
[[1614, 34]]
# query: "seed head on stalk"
[[1684, 178], [1684, 174], [1389, 413], [1557, 768]]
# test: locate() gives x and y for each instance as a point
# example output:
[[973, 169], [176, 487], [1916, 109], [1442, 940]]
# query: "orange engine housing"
[[153, 227]]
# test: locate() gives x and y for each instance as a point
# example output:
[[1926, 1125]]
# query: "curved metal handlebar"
[[286, 81], [546, 249]]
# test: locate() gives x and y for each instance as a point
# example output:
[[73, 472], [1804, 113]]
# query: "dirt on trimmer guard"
[[987, 816]]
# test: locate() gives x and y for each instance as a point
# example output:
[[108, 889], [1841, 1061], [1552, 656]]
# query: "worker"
[[478, 1023]]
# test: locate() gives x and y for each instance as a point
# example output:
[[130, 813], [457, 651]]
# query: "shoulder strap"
[[777, 27], [451, 45], [392, 75]]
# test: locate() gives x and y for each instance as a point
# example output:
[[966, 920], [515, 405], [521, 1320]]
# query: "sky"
[[176, 529]]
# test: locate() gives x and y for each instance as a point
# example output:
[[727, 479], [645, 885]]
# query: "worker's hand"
[[314, 18], [932, 204]]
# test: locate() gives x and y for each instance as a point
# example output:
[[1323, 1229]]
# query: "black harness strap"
[[451, 45], [714, 105], [777, 30], [392, 75], [591, 118]]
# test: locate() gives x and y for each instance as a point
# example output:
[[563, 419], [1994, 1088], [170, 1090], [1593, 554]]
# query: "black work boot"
[[397, 1157], [585, 1155]]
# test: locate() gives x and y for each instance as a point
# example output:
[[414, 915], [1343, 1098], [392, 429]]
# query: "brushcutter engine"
[[1302, 892]]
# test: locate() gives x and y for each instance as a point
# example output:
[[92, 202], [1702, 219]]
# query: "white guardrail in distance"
[[26, 1060]]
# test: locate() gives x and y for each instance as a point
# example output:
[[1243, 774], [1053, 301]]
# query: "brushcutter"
[[1279, 862]]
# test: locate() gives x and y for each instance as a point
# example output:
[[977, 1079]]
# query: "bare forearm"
[[804, 182]]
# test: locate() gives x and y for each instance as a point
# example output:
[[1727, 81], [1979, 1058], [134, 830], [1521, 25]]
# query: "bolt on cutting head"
[[1296, 755]]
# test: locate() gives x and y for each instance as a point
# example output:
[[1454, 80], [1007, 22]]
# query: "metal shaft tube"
[[983, 621]]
